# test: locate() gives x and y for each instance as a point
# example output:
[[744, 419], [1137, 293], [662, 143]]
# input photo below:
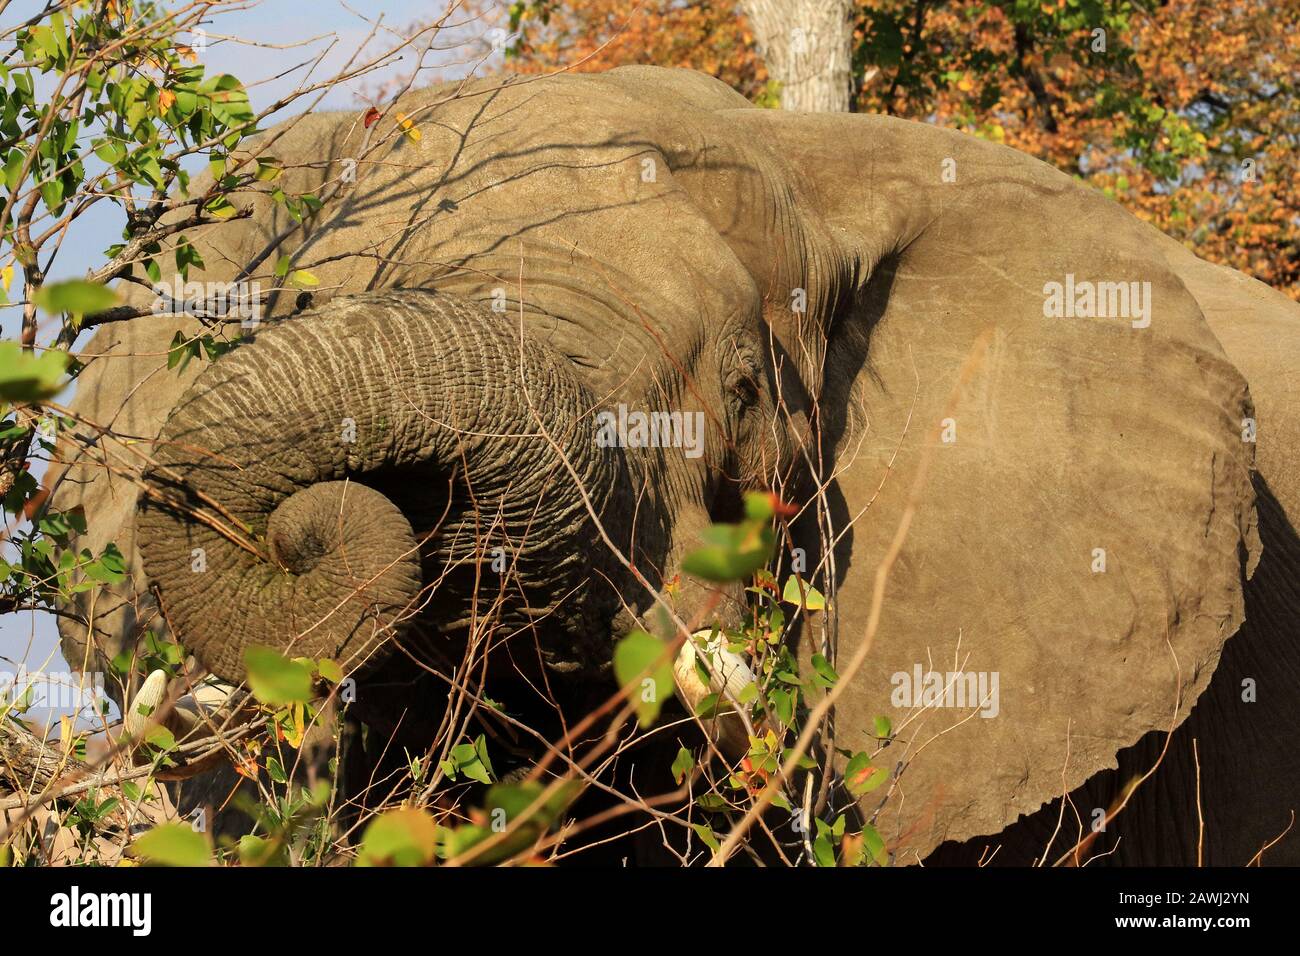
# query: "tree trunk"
[[808, 48]]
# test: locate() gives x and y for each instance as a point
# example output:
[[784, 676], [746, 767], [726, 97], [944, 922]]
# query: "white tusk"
[[151, 694], [181, 720], [726, 669]]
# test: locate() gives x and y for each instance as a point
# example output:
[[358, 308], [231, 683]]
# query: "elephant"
[[1039, 449]]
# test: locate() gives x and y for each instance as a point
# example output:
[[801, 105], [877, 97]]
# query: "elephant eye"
[[744, 387]]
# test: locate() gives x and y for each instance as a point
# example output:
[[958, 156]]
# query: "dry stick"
[[1200, 817], [1255, 860], [577, 768], [197, 514], [830, 541], [1118, 807], [819, 712], [906, 760], [1065, 797], [826, 539]]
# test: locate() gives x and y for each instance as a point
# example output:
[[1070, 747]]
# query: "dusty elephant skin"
[[1081, 547]]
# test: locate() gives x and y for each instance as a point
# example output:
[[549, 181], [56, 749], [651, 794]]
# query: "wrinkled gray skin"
[[650, 239]]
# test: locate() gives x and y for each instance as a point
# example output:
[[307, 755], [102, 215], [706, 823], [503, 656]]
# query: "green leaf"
[[514, 800], [683, 764], [810, 599], [180, 351], [329, 670], [758, 507], [13, 168], [874, 845], [110, 568], [824, 850], [477, 766], [173, 844], [709, 838], [282, 267], [710, 802], [470, 759], [303, 279], [883, 727], [404, 837], [274, 679], [824, 670], [861, 777], [731, 552], [28, 377], [644, 661], [276, 770], [76, 296], [160, 737], [259, 851], [220, 208], [110, 151], [710, 706], [782, 704], [518, 808], [268, 169]]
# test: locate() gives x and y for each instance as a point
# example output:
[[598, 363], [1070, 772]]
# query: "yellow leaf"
[[408, 128], [165, 99], [303, 279], [7, 276], [293, 736]]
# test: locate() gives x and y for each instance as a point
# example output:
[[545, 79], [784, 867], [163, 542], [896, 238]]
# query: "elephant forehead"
[[582, 223]]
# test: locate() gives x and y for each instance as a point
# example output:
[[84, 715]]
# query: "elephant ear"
[[1080, 539]]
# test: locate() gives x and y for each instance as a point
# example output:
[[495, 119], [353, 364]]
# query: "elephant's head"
[[856, 310]]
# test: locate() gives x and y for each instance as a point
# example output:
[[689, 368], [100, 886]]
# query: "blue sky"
[[264, 45]]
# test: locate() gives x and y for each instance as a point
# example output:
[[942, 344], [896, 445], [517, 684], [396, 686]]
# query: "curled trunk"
[[318, 488]]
